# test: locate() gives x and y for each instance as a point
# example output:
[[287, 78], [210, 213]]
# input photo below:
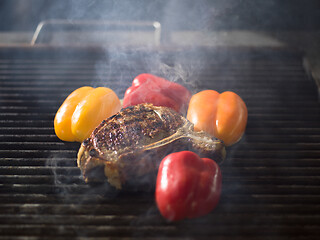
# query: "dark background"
[[24, 15]]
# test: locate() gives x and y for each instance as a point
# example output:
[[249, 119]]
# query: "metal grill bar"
[[271, 183]]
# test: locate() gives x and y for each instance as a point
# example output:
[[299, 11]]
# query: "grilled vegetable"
[[148, 88], [187, 186], [83, 110], [126, 149], [222, 115]]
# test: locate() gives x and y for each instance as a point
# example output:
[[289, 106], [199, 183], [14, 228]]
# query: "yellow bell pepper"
[[83, 110]]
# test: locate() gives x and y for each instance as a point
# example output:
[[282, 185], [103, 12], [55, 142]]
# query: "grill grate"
[[271, 179]]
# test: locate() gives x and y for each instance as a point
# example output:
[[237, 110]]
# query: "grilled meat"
[[129, 146]]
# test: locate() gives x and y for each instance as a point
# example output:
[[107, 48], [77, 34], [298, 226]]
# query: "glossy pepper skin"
[[82, 112], [187, 186], [148, 88], [221, 115]]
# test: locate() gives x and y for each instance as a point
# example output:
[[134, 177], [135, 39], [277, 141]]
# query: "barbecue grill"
[[270, 178]]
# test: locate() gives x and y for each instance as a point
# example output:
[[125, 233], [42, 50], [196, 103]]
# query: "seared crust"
[[141, 123], [129, 146]]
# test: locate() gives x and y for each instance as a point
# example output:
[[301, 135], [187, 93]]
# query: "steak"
[[128, 147]]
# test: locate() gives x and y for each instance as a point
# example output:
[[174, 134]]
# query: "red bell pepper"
[[148, 88], [187, 186]]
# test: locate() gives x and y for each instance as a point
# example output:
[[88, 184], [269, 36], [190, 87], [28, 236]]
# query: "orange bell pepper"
[[83, 110], [221, 115]]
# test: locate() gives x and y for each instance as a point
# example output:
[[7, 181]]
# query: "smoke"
[[68, 182], [118, 66]]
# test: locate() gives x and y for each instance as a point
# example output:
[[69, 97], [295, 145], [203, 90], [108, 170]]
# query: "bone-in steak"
[[129, 146]]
